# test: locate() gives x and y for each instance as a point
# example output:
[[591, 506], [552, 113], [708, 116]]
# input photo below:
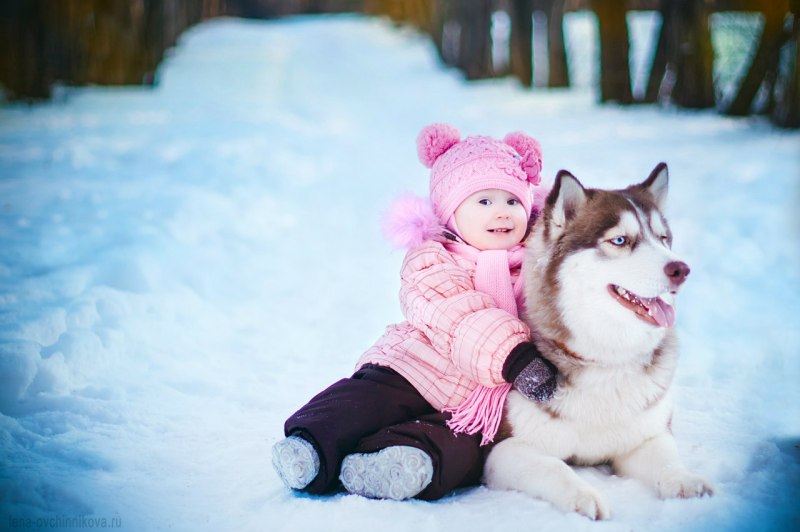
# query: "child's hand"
[[537, 381]]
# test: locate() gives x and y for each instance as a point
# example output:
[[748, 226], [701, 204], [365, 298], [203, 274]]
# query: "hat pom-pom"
[[409, 221], [434, 140], [522, 143], [531, 153]]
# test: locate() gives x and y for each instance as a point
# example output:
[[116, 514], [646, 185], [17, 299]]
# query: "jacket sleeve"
[[439, 298]]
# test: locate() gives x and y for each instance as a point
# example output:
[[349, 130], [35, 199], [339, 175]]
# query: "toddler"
[[411, 420]]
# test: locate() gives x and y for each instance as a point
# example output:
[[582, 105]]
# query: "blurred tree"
[[474, 18], [659, 66], [44, 42], [615, 78], [690, 56], [521, 43], [786, 111], [558, 75], [764, 65], [76, 42], [522, 54], [23, 41]]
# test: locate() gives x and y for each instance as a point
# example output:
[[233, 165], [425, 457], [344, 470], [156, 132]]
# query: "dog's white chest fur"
[[604, 414]]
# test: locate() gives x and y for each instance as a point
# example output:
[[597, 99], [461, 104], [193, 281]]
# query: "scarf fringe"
[[481, 412]]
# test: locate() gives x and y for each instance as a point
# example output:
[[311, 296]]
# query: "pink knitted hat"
[[460, 168]]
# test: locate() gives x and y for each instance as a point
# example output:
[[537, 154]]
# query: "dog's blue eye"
[[619, 241]]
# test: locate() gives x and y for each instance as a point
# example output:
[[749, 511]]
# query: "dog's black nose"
[[677, 271]]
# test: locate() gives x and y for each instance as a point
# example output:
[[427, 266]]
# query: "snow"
[[183, 267]]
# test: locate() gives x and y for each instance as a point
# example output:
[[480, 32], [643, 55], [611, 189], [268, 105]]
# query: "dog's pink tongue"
[[663, 313]]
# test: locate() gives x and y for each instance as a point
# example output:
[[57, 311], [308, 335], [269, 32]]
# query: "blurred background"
[[736, 56]]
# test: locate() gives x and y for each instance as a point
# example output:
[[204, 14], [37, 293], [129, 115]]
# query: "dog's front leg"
[[656, 462], [516, 465]]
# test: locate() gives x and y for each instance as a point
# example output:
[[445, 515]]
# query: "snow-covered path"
[[181, 268]]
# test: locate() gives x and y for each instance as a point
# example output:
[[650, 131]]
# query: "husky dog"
[[600, 284]]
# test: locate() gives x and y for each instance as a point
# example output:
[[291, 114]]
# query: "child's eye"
[[484, 201], [619, 241], [513, 201]]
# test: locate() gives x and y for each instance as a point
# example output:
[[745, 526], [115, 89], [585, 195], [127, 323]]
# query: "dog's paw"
[[683, 485], [587, 501]]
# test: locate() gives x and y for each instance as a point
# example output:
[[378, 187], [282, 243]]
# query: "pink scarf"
[[482, 411]]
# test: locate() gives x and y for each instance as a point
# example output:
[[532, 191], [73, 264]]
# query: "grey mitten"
[[537, 380]]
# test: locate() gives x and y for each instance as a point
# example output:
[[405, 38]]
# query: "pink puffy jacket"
[[455, 337]]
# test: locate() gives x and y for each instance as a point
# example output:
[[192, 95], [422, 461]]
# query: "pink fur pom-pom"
[[522, 143], [531, 153], [409, 221], [434, 140]]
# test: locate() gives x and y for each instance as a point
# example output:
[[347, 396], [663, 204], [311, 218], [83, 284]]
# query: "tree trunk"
[[615, 77], [692, 56], [522, 40], [475, 46], [436, 25], [88, 41], [659, 67], [420, 14], [558, 75], [22, 72], [765, 61], [786, 112]]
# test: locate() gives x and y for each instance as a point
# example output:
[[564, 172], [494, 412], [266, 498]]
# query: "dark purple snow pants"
[[377, 408]]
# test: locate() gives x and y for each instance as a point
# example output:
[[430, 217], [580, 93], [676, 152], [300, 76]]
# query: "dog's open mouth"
[[653, 310]]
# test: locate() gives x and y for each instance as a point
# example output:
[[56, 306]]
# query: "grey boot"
[[398, 472], [296, 461]]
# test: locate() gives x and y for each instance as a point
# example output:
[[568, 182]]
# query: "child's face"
[[491, 219]]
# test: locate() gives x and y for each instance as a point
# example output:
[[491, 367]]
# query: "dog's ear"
[[565, 199], [657, 184]]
